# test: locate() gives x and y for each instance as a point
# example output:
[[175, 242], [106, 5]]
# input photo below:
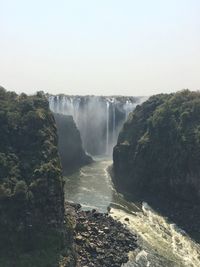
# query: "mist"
[[98, 118]]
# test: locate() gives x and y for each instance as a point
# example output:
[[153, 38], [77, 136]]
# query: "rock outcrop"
[[69, 144], [100, 240], [33, 226], [157, 156]]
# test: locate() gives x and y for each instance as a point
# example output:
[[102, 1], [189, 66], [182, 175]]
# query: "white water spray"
[[114, 130], [107, 126], [99, 119], [164, 239]]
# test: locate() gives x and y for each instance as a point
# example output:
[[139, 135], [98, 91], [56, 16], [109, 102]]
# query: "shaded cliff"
[[32, 228], [69, 144], [157, 156]]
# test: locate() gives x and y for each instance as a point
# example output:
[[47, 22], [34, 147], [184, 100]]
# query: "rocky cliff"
[[32, 228], [157, 156], [69, 144]]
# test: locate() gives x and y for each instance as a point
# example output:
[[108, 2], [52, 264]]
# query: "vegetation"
[[158, 150], [31, 183]]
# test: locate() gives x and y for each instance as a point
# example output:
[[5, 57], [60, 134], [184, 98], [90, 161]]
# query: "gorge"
[[92, 185], [123, 209], [157, 156]]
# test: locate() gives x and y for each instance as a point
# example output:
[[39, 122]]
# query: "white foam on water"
[[162, 243], [166, 239]]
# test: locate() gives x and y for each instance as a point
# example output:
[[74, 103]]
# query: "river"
[[161, 242]]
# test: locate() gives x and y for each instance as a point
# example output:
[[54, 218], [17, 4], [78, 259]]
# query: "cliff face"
[[158, 150], [31, 183], [69, 144]]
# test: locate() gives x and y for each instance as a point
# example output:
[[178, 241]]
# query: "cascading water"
[[129, 106], [107, 126], [114, 120], [99, 119]]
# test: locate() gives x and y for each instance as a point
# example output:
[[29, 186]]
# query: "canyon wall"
[[70, 147], [33, 225], [157, 156]]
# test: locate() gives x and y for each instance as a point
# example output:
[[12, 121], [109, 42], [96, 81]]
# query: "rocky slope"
[[69, 144], [157, 156], [33, 226], [100, 240]]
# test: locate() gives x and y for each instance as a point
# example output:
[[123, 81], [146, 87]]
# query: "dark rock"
[[105, 242], [76, 206], [69, 144], [79, 239], [106, 229], [94, 211]]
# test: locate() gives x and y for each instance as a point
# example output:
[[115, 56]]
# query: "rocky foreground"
[[100, 240]]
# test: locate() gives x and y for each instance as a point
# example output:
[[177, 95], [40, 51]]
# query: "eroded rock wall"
[[70, 144], [157, 156]]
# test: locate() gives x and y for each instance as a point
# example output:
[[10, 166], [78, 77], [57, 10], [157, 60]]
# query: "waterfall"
[[113, 109], [129, 106], [107, 126], [126, 108], [51, 102], [57, 106], [76, 109], [98, 118], [63, 105]]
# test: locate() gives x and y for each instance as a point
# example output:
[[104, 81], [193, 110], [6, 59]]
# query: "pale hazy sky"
[[127, 47]]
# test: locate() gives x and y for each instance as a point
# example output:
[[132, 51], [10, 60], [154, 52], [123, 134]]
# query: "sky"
[[100, 47]]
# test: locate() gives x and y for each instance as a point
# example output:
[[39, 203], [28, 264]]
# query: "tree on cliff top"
[[158, 150], [31, 185]]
